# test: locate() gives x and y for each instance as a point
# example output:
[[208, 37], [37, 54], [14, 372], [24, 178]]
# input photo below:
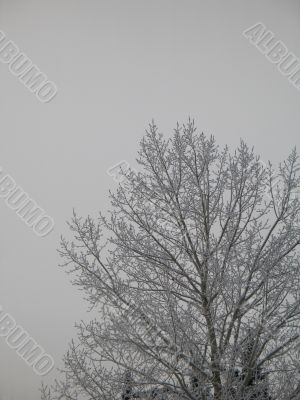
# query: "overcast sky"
[[117, 65]]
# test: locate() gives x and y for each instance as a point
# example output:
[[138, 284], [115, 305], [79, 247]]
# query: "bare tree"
[[197, 286]]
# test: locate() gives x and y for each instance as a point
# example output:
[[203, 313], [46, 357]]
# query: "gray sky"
[[118, 64]]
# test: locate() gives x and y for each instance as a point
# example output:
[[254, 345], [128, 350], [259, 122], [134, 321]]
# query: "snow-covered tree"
[[195, 277]]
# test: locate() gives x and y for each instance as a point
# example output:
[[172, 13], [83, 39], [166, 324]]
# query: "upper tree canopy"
[[197, 288]]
